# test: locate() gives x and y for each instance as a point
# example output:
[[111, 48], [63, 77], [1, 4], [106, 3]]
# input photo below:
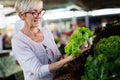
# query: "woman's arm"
[[57, 65]]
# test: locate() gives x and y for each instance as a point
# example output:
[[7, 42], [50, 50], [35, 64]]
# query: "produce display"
[[104, 61], [76, 40], [105, 32]]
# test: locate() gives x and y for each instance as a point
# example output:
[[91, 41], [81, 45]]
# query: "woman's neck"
[[34, 33], [30, 31]]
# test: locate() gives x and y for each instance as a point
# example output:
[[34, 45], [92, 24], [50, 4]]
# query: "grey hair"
[[27, 5]]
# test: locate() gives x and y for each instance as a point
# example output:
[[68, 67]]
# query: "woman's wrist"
[[69, 58]]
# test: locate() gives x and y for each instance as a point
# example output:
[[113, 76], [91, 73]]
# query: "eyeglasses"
[[36, 14]]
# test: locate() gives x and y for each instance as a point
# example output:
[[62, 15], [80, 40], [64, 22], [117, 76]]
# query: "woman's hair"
[[27, 5]]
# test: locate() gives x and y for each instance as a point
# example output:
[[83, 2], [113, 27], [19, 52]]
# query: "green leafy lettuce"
[[75, 41]]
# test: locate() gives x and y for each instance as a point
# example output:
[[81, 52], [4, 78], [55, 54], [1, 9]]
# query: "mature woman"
[[34, 47]]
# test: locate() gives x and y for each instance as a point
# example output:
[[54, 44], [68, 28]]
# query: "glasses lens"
[[36, 14], [42, 12]]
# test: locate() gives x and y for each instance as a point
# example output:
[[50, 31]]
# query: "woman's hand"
[[86, 49]]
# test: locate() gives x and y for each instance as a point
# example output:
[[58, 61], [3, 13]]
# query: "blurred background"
[[61, 17]]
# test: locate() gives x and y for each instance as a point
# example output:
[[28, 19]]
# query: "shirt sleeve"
[[27, 59], [44, 71]]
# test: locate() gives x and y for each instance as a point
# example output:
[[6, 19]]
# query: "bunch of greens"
[[111, 29], [75, 41], [105, 63]]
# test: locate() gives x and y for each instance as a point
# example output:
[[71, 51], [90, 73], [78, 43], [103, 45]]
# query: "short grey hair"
[[27, 5]]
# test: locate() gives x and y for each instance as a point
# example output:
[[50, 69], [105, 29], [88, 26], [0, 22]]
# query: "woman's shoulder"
[[19, 35], [21, 41], [19, 38]]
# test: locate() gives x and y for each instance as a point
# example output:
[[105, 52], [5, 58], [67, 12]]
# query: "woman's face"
[[32, 18]]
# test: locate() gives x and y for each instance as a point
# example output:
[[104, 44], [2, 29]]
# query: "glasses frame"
[[36, 14]]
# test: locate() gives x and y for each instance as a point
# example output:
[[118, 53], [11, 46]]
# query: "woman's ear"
[[21, 15]]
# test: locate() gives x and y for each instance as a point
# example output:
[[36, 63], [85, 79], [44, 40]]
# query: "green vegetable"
[[75, 41], [105, 63]]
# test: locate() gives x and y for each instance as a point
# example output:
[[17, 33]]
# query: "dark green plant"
[[112, 29], [105, 63]]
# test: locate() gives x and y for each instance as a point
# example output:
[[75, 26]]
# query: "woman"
[[34, 47]]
